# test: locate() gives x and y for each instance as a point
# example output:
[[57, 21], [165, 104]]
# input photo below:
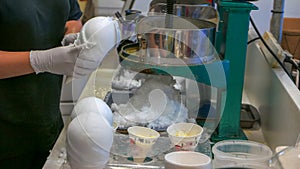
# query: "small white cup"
[[184, 136], [187, 160], [141, 141]]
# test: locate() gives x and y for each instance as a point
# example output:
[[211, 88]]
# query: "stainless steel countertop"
[[265, 87], [58, 155]]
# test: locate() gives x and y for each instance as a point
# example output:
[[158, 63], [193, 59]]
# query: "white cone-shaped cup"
[[90, 137], [92, 104]]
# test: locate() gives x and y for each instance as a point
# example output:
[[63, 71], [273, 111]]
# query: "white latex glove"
[[69, 39], [62, 60]]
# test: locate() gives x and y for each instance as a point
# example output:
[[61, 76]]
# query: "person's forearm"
[[18, 63], [73, 26], [14, 64]]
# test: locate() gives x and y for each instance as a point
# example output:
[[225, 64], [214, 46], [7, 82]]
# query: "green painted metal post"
[[231, 43]]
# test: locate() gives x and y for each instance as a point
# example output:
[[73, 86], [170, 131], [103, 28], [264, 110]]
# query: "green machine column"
[[231, 43]]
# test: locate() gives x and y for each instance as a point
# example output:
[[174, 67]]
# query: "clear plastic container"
[[241, 154]]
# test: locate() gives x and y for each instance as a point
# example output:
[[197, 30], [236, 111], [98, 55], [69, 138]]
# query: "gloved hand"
[[63, 60], [69, 39], [97, 37], [88, 60]]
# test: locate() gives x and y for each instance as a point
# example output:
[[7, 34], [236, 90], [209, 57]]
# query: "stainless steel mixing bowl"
[[169, 36]]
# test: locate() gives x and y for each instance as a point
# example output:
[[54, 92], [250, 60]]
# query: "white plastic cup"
[[185, 136], [187, 160], [141, 141]]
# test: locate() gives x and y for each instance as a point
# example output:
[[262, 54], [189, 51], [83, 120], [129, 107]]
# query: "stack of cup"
[[90, 135]]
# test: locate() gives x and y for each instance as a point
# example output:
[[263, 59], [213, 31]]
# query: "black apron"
[[30, 119]]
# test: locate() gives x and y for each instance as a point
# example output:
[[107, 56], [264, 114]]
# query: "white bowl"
[[187, 160], [185, 136]]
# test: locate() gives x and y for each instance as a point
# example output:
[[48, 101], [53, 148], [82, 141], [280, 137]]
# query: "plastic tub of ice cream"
[[241, 154]]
